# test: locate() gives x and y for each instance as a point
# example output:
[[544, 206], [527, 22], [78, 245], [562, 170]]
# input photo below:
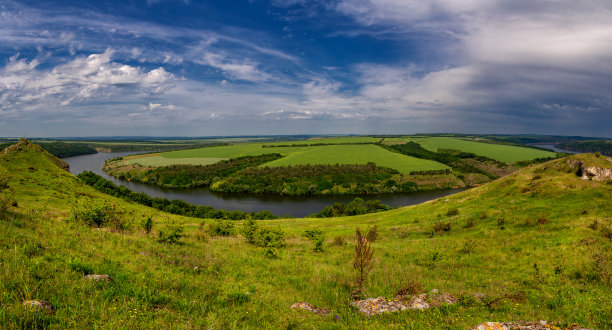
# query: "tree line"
[[314, 180], [174, 206]]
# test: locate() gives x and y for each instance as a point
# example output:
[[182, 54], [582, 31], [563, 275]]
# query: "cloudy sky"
[[240, 67]]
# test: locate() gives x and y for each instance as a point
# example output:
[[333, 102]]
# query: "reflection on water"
[[280, 205]]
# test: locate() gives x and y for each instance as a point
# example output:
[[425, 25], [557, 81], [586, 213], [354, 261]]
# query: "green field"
[[330, 140], [357, 154], [534, 245], [328, 154], [502, 153], [155, 161]]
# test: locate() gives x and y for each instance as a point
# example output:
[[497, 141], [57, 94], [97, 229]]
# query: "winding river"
[[296, 206]]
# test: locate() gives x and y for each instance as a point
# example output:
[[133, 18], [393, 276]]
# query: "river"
[[296, 206]]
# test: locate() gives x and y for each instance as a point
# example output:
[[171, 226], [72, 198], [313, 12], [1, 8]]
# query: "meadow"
[[326, 154], [499, 152], [535, 245]]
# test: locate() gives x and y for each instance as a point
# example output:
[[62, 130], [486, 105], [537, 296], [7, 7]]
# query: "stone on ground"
[[97, 278], [308, 307], [39, 305]]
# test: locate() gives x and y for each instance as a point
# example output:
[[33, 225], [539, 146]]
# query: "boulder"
[[537, 325], [39, 305]]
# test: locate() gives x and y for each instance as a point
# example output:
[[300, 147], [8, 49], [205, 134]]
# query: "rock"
[[419, 302], [537, 325], [375, 306], [98, 278], [39, 305], [442, 298], [433, 291], [308, 307], [596, 173]]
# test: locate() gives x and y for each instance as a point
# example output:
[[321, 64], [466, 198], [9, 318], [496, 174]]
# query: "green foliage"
[[147, 224], [191, 176], [271, 239], [603, 147], [96, 213], [249, 230], [63, 149], [317, 237], [171, 233], [355, 207], [221, 228], [171, 206]]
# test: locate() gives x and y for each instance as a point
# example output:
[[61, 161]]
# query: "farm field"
[[502, 153], [327, 154], [357, 154], [331, 140]]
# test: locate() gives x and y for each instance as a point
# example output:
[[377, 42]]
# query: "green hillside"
[[534, 245]]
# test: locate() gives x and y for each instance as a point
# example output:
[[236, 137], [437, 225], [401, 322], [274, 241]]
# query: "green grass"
[[227, 283], [328, 154], [330, 140], [156, 161], [357, 154], [498, 152]]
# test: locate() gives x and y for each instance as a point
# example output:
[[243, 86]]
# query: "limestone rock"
[[39, 305], [596, 173], [308, 307], [98, 278], [537, 325]]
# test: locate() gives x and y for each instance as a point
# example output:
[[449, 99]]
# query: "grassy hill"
[[535, 245]]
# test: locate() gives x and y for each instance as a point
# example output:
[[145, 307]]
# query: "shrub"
[[147, 224], [594, 225], [501, 222], [98, 214], [221, 228], [452, 212], [271, 239], [469, 246], [542, 220], [317, 237], [171, 233], [362, 262], [442, 227], [469, 223], [338, 241], [372, 234], [249, 230], [413, 287]]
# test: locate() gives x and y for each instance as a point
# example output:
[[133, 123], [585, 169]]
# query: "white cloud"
[[94, 77]]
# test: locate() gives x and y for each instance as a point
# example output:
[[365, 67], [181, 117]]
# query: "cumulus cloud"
[[94, 77]]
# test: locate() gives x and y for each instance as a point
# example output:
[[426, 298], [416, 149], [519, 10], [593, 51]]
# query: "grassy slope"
[[156, 285], [329, 154], [498, 152]]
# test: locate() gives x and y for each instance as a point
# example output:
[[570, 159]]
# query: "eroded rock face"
[[98, 278], [596, 173], [39, 305]]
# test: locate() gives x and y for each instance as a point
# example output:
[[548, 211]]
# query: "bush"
[[442, 227], [372, 234], [452, 212], [221, 228], [98, 214], [271, 239], [249, 230], [362, 262], [147, 224], [171, 233], [338, 241], [317, 237], [413, 287]]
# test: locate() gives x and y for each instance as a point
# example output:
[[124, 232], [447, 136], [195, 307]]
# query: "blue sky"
[[201, 68]]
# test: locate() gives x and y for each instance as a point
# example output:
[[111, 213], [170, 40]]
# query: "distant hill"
[[534, 245]]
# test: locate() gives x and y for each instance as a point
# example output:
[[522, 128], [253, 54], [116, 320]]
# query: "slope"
[[542, 234]]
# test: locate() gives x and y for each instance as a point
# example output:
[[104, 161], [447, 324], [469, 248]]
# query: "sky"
[[256, 67]]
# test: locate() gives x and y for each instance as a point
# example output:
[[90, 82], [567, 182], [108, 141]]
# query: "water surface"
[[297, 206]]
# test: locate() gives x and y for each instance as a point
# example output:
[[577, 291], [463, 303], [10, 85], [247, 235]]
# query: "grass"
[[156, 161], [503, 153], [224, 282], [327, 154], [357, 154]]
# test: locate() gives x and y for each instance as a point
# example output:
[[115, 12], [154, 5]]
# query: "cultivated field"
[[327, 154], [502, 153]]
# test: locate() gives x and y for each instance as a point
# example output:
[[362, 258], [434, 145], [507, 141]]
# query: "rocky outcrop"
[[24, 145], [375, 306], [594, 173], [537, 325], [42, 305]]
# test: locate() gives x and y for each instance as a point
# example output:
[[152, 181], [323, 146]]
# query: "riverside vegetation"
[[328, 166], [533, 245]]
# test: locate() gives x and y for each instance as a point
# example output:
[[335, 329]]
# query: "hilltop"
[[534, 245]]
